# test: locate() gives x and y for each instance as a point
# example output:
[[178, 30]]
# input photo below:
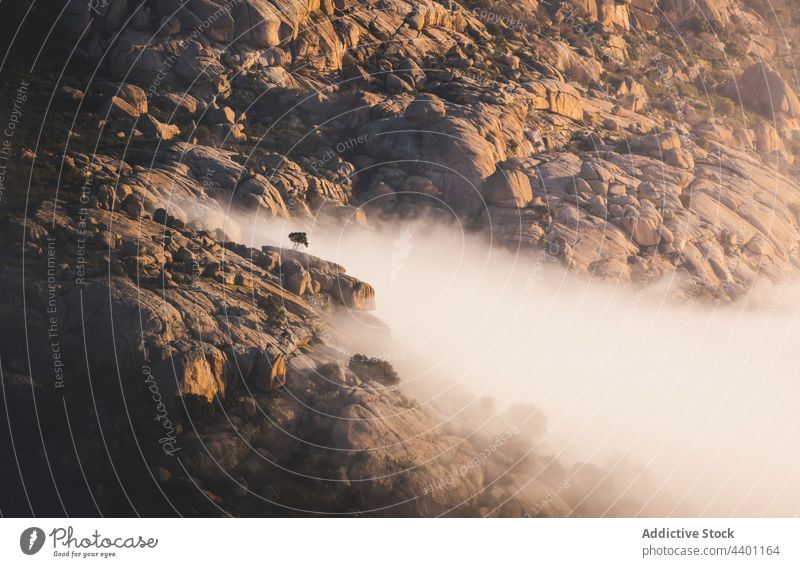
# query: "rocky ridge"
[[629, 141], [631, 158]]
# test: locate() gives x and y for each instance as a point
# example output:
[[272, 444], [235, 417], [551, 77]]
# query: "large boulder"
[[210, 166], [425, 109], [767, 139], [154, 129], [269, 372], [557, 97], [508, 188], [258, 23], [644, 12], [182, 106], [199, 64], [193, 368], [644, 225], [614, 13], [632, 95], [134, 96], [765, 91], [715, 11], [257, 192], [296, 278], [458, 158], [353, 293], [583, 8], [116, 107], [656, 145], [213, 17]]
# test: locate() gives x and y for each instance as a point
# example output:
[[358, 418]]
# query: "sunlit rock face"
[[434, 161], [446, 106], [765, 91]]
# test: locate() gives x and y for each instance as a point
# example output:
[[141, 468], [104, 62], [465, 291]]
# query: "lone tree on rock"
[[298, 238]]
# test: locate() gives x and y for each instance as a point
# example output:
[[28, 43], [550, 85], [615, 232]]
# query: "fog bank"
[[704, 398]]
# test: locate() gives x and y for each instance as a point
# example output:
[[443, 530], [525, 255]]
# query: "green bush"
[[370, 368], [722, 106], [274, 310], [695, 24]]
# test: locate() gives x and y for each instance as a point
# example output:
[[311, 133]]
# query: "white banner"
[[390, 542]]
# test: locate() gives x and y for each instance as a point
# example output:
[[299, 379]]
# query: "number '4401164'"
[[755, 550]]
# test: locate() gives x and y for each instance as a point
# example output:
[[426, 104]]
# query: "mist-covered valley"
[[687, 405]]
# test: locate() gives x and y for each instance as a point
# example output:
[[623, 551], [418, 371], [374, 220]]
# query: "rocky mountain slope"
[[629, 141]]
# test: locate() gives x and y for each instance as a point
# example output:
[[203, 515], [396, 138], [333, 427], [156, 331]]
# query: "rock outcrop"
[[628, 141], [765, 91]]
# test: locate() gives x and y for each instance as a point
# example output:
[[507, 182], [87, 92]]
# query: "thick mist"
[[704, 398]]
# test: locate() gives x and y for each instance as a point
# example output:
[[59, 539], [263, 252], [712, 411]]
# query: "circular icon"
[[31, 540]]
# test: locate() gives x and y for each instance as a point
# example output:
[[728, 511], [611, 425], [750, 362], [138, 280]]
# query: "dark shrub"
[[370, 368]]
